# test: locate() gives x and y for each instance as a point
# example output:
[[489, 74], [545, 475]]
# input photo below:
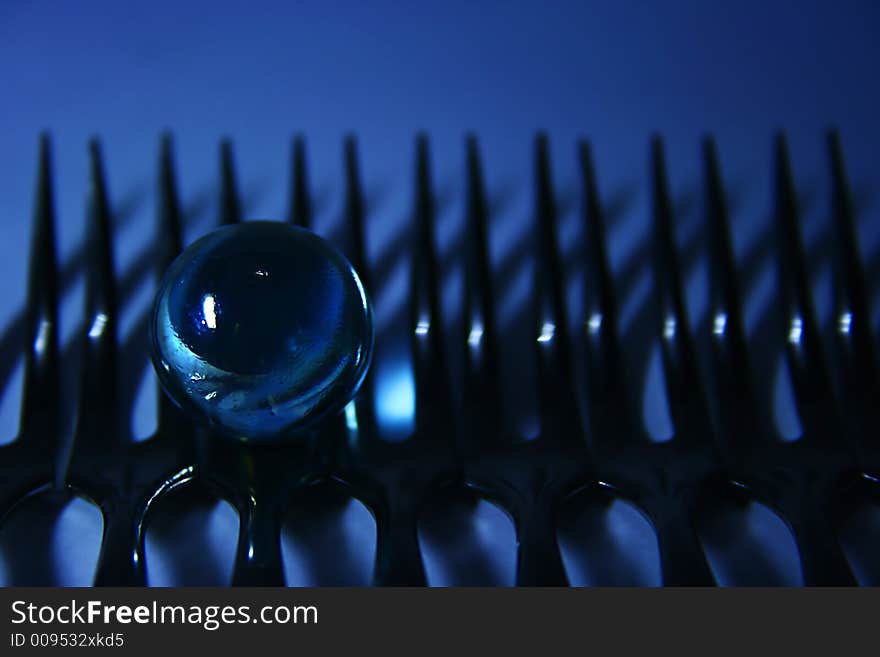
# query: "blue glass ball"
[[261, 329]]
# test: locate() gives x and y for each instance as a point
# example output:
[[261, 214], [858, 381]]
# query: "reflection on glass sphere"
[[261, 329]]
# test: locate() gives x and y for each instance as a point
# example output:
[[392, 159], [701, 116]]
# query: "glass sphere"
[[261, 329]]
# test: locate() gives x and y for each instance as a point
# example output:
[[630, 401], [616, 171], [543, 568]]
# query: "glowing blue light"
[[475, 335], [42, 340], [97, 328], [351, 420], [395, 398], [547, 332], [796, 330], [209, 311]]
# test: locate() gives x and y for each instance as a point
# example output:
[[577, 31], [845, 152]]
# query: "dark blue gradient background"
[[257, 72]]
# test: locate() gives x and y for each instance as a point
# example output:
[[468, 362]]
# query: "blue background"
[[257, 72]]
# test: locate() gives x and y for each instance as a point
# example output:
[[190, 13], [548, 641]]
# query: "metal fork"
[[710, 458]]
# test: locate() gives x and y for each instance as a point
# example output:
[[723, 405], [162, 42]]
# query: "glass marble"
[[261, 329]]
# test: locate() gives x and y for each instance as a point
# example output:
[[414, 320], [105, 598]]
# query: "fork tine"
[[230, 205], [737, 405], [852, 308], [169, 242], [97, 414], [482, 404], [684, 389], [300, 199], [334, 430], [809, 372], [682, 559], [608, 396], [433, 410], [558, 405], [357, 253], [40, 409]]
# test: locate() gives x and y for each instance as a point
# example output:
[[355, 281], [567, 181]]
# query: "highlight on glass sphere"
[[261, 329]]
